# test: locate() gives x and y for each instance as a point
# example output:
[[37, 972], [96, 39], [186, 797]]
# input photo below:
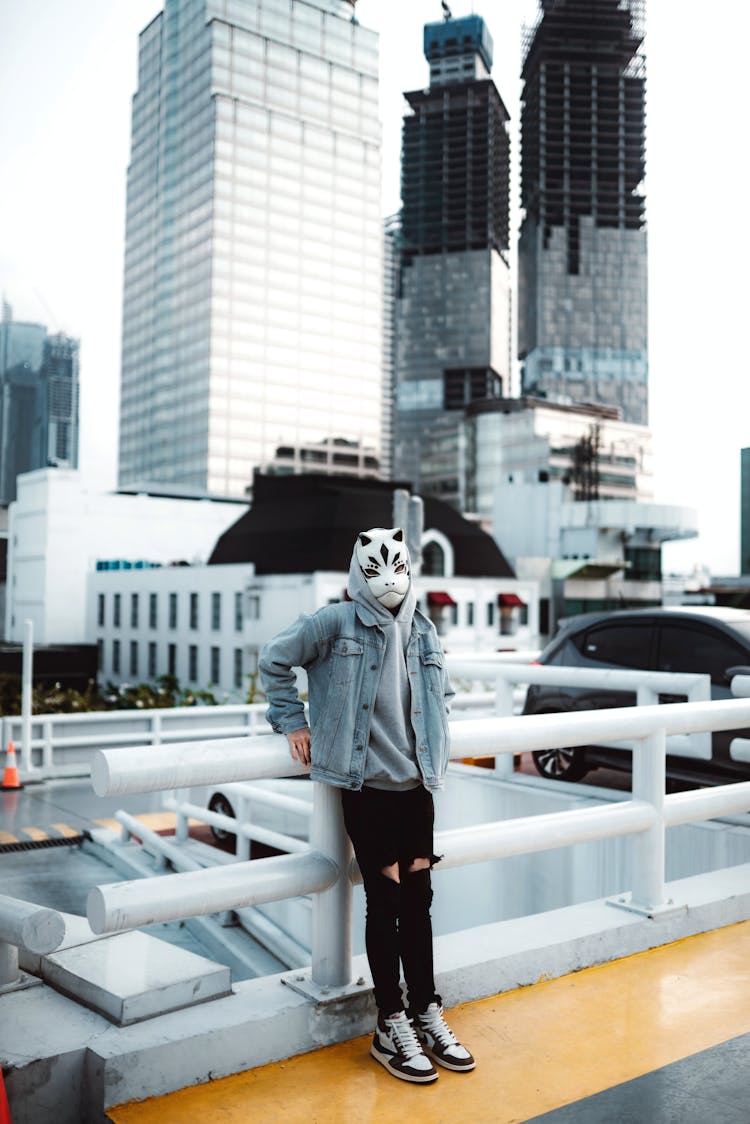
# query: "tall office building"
[[252, 297], [38, 401], [582, 333], [453, 306]]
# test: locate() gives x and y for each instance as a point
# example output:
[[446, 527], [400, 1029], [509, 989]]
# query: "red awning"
[[440, 599], [510, 601]]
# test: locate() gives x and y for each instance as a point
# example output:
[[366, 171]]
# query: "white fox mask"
[[384, 561]]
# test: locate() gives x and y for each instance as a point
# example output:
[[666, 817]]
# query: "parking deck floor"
[[662, 1037]]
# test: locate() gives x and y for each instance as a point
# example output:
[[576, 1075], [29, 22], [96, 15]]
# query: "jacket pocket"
[[432, 669], [346, 660]]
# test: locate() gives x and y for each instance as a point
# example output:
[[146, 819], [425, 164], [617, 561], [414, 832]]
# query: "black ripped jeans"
[[388, 827]]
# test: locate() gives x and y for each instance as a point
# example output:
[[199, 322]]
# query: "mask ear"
[[398, 535], [364, 540]]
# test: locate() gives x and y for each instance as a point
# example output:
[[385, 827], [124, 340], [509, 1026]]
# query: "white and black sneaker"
[[439, 1041], [396, 1046]]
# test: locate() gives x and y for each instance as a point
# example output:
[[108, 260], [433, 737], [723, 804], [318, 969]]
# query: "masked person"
[[378, 695]]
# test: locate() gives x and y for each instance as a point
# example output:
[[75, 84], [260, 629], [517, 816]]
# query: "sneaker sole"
[[454, 1066], [412, 1078]]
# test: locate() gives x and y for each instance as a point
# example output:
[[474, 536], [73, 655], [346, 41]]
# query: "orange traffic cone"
[[4, 1110], [10, 778]]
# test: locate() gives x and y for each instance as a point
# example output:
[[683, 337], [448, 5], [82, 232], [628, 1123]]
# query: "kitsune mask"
[[384, 561]]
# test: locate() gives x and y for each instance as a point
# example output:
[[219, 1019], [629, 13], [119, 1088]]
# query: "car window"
[[682, 648], [624, 645]]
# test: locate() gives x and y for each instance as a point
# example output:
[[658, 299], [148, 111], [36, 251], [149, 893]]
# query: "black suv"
[[714, 641]]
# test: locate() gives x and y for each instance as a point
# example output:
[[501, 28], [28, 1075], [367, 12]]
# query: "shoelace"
[[433, 1021], [406, 1036]]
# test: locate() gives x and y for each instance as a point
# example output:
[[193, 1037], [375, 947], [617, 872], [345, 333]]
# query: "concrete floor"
[[662, 1037]]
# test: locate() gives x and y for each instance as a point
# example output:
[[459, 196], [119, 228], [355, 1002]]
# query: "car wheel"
[[220, 804], [561, 764]]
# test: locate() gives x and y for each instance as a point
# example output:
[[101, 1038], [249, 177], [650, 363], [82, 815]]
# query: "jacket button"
[[360, 746], [366, 706], [373, 667]]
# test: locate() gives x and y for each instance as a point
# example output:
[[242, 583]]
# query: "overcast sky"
[[68, 71]]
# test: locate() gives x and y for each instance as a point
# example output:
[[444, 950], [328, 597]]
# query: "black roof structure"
[[299, 524]]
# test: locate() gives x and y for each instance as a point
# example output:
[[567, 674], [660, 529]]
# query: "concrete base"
[[129, 976], [134, 976], [19, 984], [48, 1043]]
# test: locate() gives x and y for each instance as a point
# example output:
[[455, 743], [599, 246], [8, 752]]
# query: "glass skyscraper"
[[453, 305], [252, 333], [582, 333], [39, 380]]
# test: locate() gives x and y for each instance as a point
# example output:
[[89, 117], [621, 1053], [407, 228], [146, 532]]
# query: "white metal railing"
[[645, 685], [61, 745], [29, 926], [326, 869]]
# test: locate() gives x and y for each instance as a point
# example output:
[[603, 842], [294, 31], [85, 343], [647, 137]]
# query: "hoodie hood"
[[360, 592]]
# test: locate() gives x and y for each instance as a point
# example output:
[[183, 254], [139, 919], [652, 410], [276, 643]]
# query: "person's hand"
[[299, 745]]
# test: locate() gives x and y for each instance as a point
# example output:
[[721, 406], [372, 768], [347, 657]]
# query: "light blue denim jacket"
[[341, 647]]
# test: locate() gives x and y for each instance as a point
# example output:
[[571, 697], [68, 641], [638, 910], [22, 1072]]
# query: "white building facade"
[[60, 528], [252, 309], [529, 441], [207, 624]]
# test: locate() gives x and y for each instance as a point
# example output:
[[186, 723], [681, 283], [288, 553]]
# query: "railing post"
[[649, 776], [27, 676], [332, 908], [48, 745], [503, 709], [8, 964], [242, 842]]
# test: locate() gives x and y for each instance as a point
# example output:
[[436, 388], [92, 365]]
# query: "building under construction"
[[582, 251], [453, 307]]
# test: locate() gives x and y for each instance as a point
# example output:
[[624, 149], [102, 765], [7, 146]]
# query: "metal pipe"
[[706, 803], [278, 839], [332, 906], [26, 682], [30, 926], [527, 834], [146, 901], [183, 764], [649, 776]]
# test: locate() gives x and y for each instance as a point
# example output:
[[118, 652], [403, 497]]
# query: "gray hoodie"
[[391, 760]]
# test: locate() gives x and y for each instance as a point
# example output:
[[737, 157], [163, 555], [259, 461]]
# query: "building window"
[[116, 615], [133, 657], [215, 665], [238, 612], [433, 560], [100, 654], [469, 614], [172, 659], [490, 613], [173, 610], [152, 610], [193, 663], [238, 667], [116, 657], [215, 611], [100, 609], [193, 610], [253, 607], [134, 610], [152, 660]]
